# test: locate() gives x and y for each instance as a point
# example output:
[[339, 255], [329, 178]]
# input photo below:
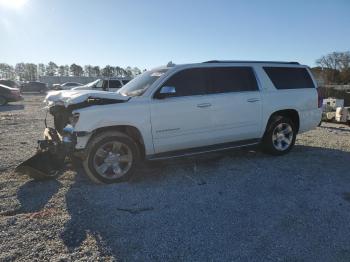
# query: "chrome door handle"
[[252, 100], [203, 105]]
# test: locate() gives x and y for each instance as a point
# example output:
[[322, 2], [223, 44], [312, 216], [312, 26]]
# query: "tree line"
[[32, 72], [334, 68]]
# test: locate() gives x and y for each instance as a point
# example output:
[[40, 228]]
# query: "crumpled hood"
[[69, 97]]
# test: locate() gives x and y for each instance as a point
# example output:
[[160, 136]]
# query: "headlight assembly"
[[73, 119]]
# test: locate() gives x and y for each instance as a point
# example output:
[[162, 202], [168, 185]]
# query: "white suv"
[[180, 110]]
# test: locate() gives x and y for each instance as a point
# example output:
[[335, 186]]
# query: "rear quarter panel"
[[304, 101]]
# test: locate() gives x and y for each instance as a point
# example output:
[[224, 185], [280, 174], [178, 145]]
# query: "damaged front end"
[[49, 158], [59, 142]]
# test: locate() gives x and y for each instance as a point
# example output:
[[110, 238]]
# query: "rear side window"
[[289, 77], [189, 82], [8, 83], [231, 79], [114, 84]]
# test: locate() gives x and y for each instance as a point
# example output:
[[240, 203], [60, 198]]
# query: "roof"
[[255, 62], [8, 87], [172, 65]]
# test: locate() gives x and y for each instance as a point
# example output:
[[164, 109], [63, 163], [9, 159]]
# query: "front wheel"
[[111, 158], [280, 136]]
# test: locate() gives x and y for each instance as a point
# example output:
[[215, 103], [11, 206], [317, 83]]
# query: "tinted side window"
[[114, 84], [189, 82], [232, 79], [289, 77], [7, 83]]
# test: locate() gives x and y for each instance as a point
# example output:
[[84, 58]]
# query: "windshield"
[[93, 83], [139, 85]]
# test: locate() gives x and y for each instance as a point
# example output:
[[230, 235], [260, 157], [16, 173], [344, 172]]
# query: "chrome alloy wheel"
[[282, 136], [113, 160]]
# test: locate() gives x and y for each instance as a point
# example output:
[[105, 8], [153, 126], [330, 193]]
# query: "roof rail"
[[261, 62]]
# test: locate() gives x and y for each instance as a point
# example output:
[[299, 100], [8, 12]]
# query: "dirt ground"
[[235, 205]]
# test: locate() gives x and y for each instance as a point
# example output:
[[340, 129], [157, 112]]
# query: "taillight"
[[319, 97]]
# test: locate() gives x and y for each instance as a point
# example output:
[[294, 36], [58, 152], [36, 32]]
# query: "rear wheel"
[[3, 101], [111, 158], [280, 136]]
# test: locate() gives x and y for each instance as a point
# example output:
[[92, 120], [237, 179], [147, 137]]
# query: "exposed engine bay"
[[64, 115]]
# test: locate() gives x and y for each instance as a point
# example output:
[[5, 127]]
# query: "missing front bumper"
[[50, 157]]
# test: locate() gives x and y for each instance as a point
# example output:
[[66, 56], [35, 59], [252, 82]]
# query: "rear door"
[[183, 120], [31, 87], [236, 112]]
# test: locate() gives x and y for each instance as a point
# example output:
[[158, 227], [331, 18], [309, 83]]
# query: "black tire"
[[3, 101], [269, 143], [97, 143]]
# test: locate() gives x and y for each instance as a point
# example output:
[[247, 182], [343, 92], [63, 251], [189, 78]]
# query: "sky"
[[153, 32]]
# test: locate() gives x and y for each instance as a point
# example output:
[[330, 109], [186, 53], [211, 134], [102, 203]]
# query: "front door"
[[182, 121]]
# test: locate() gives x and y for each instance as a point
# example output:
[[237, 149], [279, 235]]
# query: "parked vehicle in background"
[[333, 110], [180, 110], [66, 86], [125, 81], [10, 83], [34, 86], [111, 85], [342, 115], [330, 103], [9, 94]]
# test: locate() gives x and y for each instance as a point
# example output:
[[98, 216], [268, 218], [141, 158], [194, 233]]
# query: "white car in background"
[[111, 85], [66, 86]]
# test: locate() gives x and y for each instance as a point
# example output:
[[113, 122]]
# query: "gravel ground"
[[238, 205]]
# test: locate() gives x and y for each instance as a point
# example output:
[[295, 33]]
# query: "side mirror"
[[166, 91]]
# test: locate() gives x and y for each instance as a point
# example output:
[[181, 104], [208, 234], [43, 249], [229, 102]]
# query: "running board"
[[204, 149]]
